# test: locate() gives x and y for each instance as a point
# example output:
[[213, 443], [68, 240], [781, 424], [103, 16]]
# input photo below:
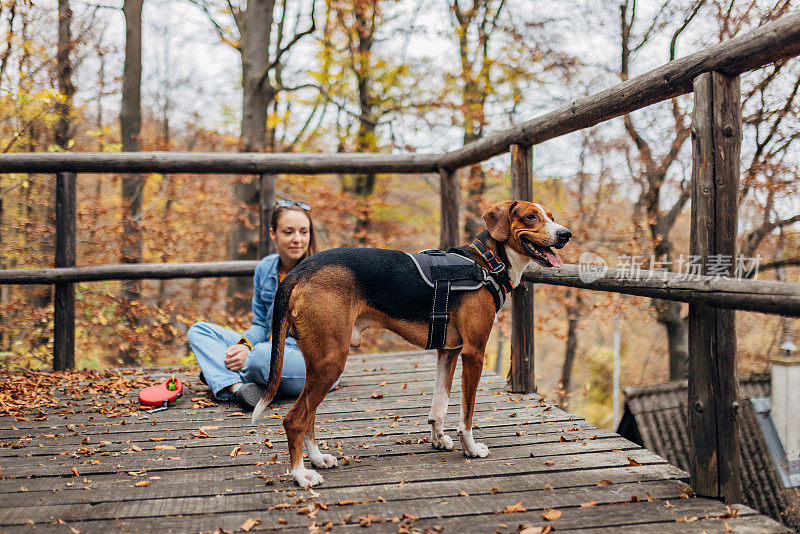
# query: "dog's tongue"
[[552, 257]]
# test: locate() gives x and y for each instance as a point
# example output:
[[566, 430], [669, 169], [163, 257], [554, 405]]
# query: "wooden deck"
[[138, 472]]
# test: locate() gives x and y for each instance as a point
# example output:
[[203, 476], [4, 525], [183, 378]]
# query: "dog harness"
[[449, 271]]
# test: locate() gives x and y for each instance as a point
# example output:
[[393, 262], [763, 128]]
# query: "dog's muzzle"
[[562, 237]]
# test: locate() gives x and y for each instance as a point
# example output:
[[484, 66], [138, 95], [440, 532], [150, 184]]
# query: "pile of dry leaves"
[[26, 391]]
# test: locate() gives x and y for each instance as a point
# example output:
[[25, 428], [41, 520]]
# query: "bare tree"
[[262, 61], [474, 23], [63, 131], [651, 174], [130, 119]]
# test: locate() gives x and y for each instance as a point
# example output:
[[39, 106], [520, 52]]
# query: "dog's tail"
[[280, 323]]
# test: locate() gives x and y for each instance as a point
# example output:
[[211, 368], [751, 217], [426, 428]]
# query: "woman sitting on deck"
[[236, 366]]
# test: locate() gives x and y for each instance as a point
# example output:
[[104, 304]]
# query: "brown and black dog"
[[328, 300]]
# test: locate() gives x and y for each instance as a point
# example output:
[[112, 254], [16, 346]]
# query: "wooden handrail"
[[772, 42], [128, 271], [218, 163], [763, 296]]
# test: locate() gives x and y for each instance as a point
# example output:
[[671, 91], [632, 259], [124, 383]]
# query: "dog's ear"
[[498, 220]]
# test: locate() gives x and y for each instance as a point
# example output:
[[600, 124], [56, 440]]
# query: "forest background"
[[377, 76]]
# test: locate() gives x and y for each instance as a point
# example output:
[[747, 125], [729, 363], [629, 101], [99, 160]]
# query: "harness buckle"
[[439, 316], [498, 268]]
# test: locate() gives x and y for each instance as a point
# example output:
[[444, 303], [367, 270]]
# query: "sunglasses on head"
[[285, 203]]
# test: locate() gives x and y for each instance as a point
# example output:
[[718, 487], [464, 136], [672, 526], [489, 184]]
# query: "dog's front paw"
[[476, 450], [324, 461], [306, 477], [442, 442]]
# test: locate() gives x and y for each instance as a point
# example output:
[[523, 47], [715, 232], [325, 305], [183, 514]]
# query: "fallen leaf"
[[588, 504], [537, 530], [74, 530], [235, 451], [250, 523], [514, 508], [552, 515], [235, 414], [633, 462], [463, 494], [165, 447], [346, 503], [158, 439], [75, 472], [142, 483], [604, 483], [136, 448], [668, 505]]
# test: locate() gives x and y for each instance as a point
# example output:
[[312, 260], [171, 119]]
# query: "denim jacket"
[[265, 283]]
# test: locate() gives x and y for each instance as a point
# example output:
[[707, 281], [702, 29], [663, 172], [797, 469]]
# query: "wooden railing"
[[716, 135]]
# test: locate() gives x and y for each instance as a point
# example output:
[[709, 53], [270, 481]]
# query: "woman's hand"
[[235, 357]]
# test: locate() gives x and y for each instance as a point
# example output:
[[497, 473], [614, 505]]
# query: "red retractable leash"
[[161, 395]]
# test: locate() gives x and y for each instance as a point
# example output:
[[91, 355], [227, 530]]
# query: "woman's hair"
[[280, 210]]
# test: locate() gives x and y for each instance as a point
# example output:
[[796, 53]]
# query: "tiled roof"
[[656, 418]]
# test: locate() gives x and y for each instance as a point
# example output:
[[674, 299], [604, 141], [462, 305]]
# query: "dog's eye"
[[531, 217]]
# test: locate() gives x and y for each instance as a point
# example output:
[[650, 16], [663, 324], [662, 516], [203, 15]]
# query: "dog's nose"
[[563, 234]]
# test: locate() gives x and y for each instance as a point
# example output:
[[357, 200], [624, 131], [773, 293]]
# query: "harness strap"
[[497, 269], [439, 317]]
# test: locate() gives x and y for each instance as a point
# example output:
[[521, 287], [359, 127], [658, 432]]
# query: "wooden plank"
[[396, 448], [209, 489], [609, 517], [218, 163], [742, 523], [449, 208], [713, 384], [750, 295], [57, 492], [266, 203], [769, 43], [522, 374], [64, 293], [487, 503]]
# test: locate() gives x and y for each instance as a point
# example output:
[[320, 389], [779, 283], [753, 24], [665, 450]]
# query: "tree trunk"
[[255, 25], [366, 138], [132, 185], [64, 75], [669, 315], [573, 317]]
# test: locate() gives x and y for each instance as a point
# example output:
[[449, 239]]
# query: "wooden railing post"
[[266, 203], [713, 383], [523, 379], [64, 294], [448, 196]]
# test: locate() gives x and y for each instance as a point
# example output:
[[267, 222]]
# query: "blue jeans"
[[210, 341]]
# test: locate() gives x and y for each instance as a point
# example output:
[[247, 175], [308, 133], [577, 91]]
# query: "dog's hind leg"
[[445, 367], [315, 456], [472, 363], [298, 421]]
